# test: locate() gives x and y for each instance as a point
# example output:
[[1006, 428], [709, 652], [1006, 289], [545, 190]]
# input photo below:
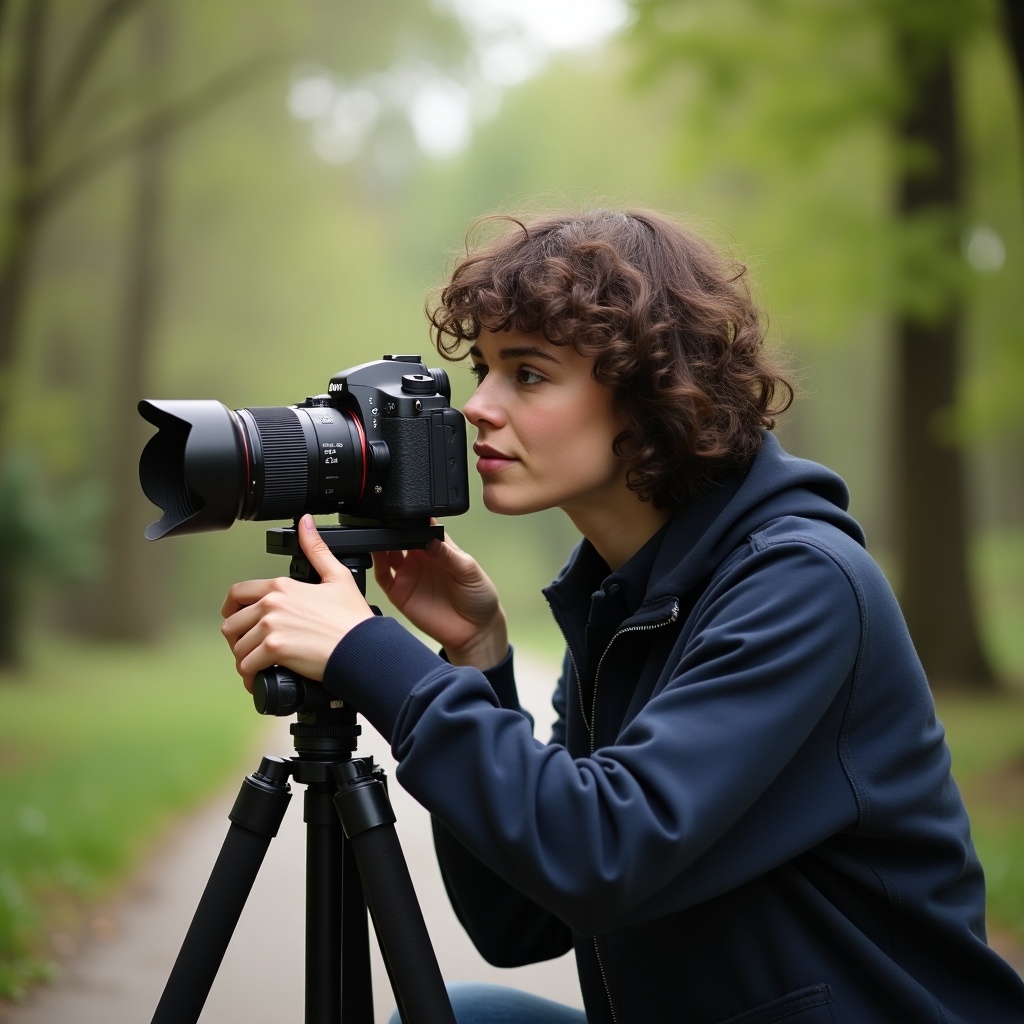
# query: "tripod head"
[[325, 722]]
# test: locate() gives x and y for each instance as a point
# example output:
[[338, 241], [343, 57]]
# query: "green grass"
[[100, 747]]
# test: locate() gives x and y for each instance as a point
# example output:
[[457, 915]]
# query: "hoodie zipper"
[[645, 628]]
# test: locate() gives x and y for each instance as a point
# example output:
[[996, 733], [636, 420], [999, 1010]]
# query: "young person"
[[745, 811]]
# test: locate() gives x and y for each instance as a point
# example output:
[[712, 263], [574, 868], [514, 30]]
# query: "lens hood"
[[194, 467]]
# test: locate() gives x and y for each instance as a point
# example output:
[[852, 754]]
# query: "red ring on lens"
[[366, 456]]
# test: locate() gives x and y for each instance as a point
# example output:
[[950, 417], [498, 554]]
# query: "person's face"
[[545, 428]]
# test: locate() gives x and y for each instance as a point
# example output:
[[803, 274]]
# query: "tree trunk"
[[128, 593], [932, 516], [15, 272], [21, 215], [16, 251], [14, 278], [1014, 13], [11, 594]]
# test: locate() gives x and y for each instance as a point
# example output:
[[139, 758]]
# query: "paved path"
[[118, 974]]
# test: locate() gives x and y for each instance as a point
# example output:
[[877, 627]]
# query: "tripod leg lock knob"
[[263, 798], [362, 799]]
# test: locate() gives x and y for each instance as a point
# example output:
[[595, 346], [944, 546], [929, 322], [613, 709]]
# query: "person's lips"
[[490, 460]]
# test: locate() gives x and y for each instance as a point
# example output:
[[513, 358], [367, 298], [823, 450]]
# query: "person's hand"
[[286, 622], [444, 592]]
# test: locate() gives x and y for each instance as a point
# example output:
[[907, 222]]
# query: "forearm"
[[376, 666], [379, 664]]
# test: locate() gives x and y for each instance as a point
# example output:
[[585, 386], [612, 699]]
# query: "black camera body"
[[417, 464], [383, 444]]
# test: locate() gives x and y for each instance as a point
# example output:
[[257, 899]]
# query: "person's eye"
[[524, 375], [479, 371]]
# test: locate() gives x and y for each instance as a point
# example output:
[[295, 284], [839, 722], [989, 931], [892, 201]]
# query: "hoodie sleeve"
[[730, 769], [507, 928]]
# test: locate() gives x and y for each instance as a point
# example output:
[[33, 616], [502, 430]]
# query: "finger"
[[246, 647], [262, 647], [241, 622], [246, 602], [248, 677], [252, 657], [241, 595], [448, 541], [385, 566], [396, 564], [318, 554]]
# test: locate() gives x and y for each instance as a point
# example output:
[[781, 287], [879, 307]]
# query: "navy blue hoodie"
[[745, 813]]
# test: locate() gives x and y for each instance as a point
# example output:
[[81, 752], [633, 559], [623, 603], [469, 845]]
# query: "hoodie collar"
[[701, 535]]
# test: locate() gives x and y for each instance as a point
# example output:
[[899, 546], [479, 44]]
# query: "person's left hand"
[[286, 622]]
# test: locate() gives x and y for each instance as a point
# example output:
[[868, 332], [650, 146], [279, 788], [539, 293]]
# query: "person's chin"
[[505, 504]]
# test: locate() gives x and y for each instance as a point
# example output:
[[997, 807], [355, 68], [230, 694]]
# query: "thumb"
[[317, 553]]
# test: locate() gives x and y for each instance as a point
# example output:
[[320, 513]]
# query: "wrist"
[[484, 650]]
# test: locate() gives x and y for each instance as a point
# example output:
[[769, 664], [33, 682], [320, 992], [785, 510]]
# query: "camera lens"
[[301, 460], [207, 465]]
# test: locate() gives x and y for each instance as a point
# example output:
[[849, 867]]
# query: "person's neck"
[[619, 533]]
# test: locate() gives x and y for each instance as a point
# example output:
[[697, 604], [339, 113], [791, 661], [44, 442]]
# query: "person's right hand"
[[444, 592]]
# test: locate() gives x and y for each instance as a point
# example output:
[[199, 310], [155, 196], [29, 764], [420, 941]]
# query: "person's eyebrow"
[[518, 352]]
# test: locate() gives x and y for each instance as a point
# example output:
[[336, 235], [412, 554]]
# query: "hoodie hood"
[[700, 536]]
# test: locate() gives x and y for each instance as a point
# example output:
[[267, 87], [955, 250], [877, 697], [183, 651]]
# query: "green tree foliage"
[[277, 268], [56, 59], [808, 104], [79, 104]]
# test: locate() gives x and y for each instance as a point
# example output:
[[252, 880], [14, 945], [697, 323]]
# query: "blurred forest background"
[[234, 201], [237, 200]]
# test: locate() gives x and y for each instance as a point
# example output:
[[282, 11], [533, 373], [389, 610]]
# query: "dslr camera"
[[383, 444]]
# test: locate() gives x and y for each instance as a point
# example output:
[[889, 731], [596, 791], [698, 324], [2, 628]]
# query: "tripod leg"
[[337, 935], [323, 909], [366, 815], [357, 989], [256, 817]]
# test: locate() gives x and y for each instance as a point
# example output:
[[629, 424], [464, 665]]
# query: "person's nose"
[[484, 407]]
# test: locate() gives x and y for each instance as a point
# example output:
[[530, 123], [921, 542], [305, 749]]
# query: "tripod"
[[354, 861]]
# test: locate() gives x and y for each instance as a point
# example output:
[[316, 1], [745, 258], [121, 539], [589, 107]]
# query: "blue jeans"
[[476, 1003]]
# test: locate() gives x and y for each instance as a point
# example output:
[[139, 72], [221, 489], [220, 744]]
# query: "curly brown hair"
[[670, 323]]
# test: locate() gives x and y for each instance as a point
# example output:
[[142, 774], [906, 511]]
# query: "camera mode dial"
[[418, 384]]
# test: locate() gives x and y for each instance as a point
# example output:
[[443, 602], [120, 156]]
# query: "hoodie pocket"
[[812, 1005]]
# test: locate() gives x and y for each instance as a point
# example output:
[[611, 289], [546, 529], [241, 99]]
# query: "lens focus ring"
[[285, 462]]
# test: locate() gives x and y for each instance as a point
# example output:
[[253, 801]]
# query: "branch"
[[64, 181], [90, 45]]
